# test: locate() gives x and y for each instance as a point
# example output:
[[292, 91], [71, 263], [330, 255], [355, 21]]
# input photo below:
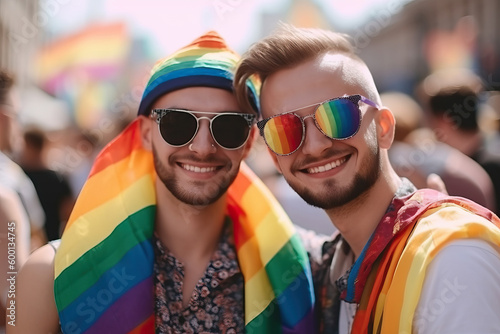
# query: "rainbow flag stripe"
[[338, 118], [284, 133], [428, 223], [103, 267], [99, 51]]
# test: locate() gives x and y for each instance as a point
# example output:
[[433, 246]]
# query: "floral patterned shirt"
[[217, 302]]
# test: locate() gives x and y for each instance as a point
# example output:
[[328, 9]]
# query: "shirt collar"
[[352, 282]]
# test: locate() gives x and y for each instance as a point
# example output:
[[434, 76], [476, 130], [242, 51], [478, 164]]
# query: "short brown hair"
[[287, 47], [35, 138], [6, 84]]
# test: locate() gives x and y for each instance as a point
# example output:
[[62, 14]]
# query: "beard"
[[197, 193], [333, 196]]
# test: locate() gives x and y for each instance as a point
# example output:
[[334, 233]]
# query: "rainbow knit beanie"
[[207, 62]]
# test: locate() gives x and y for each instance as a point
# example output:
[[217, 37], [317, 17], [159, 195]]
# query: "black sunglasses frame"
[[160, 113]]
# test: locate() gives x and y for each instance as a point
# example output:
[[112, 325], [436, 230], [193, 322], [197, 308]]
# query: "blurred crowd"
[[450, 127]]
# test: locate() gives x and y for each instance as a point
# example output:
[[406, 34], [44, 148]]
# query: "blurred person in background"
[[11, 174], [452, 105], [77, 157], [416, 154], [52, 187], [491, 123]]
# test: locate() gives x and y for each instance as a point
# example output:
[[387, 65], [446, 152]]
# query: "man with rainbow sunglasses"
[[171, 232], [405, 261]]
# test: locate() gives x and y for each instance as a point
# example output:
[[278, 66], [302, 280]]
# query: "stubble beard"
[[333, 196], [199, 193]]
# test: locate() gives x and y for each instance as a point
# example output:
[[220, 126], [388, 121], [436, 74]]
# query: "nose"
[[315, 142], [203, 143]]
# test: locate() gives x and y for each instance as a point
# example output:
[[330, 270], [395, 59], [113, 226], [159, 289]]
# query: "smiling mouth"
[[326, 167], [196, 169]]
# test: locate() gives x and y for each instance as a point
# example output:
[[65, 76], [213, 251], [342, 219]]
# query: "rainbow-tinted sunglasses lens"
[[338, 118]]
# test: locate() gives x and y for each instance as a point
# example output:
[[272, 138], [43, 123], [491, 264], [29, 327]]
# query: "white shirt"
[[460, 294], [461, 291]]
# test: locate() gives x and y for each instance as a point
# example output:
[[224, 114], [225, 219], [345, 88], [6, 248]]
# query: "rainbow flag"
[[104, 265], [95, 53]]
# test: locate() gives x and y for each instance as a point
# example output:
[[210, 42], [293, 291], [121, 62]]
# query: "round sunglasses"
[[338, 118], [178, 127]]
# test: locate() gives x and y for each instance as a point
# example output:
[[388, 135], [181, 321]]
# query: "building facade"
[[21, 29], [428, 35]]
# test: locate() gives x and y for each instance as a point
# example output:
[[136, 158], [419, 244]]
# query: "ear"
[[146, 125], [386, 125]]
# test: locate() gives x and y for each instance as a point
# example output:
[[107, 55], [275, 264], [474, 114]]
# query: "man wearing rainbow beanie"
[[171, 232]]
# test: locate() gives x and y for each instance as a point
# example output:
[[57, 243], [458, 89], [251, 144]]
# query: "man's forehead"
[[320, 78], [196, 97], [332, 60], [350, 70]]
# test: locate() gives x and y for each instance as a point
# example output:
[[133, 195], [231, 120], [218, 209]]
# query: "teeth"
[[326, 167], [198, 169]]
